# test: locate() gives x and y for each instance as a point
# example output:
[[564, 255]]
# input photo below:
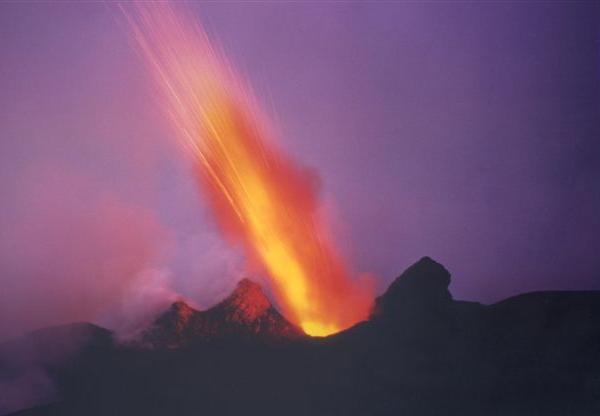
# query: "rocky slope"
[[246, 313], [421, 353]]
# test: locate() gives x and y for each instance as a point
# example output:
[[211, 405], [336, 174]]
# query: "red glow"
[[262, 199]]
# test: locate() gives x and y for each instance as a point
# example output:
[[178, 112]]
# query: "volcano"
[[420, 352], [245, 314]]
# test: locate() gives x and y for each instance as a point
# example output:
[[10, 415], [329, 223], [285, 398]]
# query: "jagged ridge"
[[420, 353], [246, 313]]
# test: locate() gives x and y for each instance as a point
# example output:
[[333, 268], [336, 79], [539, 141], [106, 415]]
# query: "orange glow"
[[262, 199]]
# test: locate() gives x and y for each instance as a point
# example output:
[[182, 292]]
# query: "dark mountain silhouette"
[[420, 353]]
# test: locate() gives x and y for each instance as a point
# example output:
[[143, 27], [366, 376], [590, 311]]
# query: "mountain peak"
[[247, 285], [246, 313], [176, 318], [248, 299], [426, 276], [422, 285], [246, 304], [181, 308]]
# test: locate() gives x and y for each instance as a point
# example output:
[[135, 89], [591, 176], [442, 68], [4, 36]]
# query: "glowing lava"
[[260, 196]]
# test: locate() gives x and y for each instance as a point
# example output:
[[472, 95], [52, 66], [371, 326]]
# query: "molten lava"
[[262, 199]]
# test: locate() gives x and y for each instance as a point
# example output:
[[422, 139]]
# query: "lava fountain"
[[261, 197]]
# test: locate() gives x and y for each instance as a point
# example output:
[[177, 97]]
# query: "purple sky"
[[467, 132]]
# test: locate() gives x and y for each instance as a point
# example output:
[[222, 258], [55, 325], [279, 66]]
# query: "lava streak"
[[260, 196]]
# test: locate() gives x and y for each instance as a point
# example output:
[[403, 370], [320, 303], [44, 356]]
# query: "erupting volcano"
[[260, 196]]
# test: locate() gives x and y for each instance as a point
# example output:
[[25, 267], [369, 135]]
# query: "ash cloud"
[[70, 253], [74, 249]]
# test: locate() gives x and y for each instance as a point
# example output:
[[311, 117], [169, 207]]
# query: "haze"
[[465, 132]]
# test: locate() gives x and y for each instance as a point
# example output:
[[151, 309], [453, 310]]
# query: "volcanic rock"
[[421, 353], [246, 304], [246, 313], [422, 286]]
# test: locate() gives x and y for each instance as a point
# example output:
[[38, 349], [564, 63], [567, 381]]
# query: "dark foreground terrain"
[[420, 353]]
